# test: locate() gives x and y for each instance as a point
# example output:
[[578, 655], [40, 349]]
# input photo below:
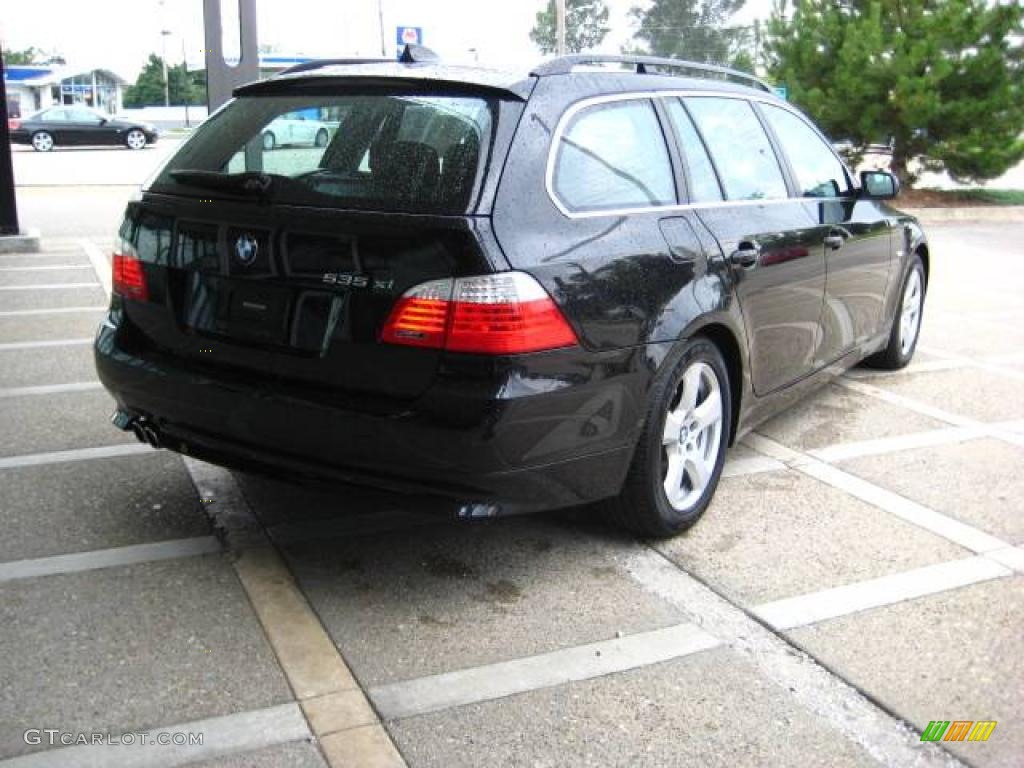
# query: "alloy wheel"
[[910, 313], [42, 141], [692, 436], [135, 139]]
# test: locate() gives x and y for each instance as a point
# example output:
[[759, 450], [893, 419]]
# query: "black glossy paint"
[[319, 397]]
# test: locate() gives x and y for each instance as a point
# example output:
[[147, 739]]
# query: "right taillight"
[[129, 279], [508, 313]]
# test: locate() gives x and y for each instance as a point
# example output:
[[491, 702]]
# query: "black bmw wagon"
[[513, 292]]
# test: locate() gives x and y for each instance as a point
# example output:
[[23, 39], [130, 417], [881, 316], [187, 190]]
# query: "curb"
[[967, 213]]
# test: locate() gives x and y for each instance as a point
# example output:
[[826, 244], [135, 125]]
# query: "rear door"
[[858, 244], [774, 243], [291, 285]]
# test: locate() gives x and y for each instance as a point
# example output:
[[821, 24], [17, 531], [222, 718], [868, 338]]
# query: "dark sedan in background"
[[79, 126]]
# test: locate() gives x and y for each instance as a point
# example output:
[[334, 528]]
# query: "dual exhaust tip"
[[143, 429]]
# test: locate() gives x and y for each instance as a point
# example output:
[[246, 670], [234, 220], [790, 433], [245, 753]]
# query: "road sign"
[[781, 91], [408, 35]]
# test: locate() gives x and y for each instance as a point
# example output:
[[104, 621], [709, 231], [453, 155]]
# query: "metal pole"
[[188, 83], [560, 27], [8, 206], [383, 36]]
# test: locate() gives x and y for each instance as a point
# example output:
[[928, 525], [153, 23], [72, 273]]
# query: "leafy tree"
[[26, 56], [149, 86], [695, 30], [586, 25], [943, 80]]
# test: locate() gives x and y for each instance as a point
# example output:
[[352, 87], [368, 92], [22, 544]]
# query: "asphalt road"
[[860, 574]]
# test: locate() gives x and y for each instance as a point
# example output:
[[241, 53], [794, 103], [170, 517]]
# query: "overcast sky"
[[118, 35]]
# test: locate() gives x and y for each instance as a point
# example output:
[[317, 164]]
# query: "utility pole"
[[560, 27], [383, 34], [8, 206], [163, 55]]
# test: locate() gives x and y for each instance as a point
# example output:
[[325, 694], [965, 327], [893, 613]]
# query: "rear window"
[[373, 151]]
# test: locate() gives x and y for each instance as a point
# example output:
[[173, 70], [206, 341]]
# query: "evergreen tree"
[[942, 80], [586, 25], [695, 30]]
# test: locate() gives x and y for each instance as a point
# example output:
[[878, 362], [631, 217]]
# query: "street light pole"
[[383, 36], [163, 60], [560, 27]]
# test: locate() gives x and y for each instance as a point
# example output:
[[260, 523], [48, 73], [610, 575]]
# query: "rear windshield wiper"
[[250, 182]]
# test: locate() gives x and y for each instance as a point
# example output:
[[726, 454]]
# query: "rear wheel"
[[906, 326], [679, 458], [42, 141], [135, 139], [269, 142], [321, 138]]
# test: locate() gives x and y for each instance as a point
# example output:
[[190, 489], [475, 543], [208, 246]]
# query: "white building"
[[33, 87]]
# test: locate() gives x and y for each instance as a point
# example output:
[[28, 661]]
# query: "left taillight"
[[508, 313], [13, 124], [129, 278]]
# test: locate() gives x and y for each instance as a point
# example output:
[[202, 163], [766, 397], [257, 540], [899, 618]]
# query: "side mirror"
[[879, 185]]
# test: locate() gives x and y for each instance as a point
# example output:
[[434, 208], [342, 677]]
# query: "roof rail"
[[412, 54], [564, 65]]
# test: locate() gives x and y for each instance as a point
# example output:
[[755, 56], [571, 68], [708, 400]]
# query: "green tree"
[[26, 56], [586, 25], [148, 88], [695, 30], [943, 80]]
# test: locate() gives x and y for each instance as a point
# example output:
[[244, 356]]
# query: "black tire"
[[643, 505], [269, 141], [42, 141], [896, 353], [321, 138]]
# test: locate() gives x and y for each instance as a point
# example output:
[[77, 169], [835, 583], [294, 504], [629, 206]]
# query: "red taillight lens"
[[129, 279], [13, 124], [503, 314]]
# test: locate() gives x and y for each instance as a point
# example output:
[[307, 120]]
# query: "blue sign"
[[406, 35], [781, 91]]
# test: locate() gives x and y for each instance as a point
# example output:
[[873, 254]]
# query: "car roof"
[[649, 74]]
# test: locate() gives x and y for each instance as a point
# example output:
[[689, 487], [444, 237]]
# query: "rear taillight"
[[13, 124], [129, 279], [504, 314]]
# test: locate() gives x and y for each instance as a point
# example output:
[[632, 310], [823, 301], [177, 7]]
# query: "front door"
[[857, 235]]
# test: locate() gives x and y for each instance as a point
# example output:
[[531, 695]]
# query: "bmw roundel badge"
[[246, 248]]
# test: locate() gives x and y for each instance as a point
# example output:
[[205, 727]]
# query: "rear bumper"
[[502, 436]]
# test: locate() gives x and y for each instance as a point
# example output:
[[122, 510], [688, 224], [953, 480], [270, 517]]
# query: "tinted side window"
[[614, 156], [703, 182], [743, 155], [818, 171], [54, 115]]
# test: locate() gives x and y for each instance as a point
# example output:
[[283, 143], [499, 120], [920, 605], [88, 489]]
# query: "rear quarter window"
[[612, 156]]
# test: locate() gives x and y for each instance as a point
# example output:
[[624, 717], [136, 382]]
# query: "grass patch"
[[952, 198]]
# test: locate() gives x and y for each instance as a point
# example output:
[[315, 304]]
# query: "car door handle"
[[834, 242], [746, 254]]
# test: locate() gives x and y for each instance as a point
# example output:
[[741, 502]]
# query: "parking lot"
[[858, 575]]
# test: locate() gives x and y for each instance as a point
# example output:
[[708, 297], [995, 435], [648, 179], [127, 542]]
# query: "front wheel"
[[679, 457], [42, 141], [321, 138], [135, 139], [906, 325]]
